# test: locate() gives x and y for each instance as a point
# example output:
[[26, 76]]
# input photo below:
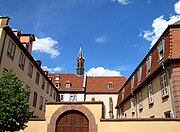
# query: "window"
[[150, 94], [148, 65], [57, 85], [27, 97], [22, 61], [93, 99], [61, 97], [161, 49], [5, 70], [73, 97], [140, 100], [11, 50], [43, 83], [37, 77], [110, 85], [68, 84], [35, 99], [168, 114], [30, 70], [47, 88], [51, 91], [41, 103], [164, 86], [57, 78], [139, 74], [122, 93], [132, 82], [132, 105], [50, 78]]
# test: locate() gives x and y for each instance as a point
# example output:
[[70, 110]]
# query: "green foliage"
[[14, 106]]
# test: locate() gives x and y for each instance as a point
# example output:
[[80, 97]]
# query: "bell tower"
[[80, 63]]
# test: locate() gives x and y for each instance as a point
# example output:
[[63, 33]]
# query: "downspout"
[[171, 91], [84, 86], [3, 46]]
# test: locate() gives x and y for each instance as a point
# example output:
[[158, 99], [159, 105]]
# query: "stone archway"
[[80, 108]]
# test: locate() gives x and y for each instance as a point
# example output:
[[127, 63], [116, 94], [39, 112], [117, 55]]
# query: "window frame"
[[140, 100], [164, 85], [150, 93], [11, 50], [22, 60], [41, 103], [35, 99], [148, 64], [161, 50], [37, 77], [30, 70]]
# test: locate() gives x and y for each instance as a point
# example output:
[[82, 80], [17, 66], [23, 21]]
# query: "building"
[[153, 89], [79, 87], [15, 53]]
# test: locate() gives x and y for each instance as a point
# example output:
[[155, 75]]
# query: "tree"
[[14, 106]]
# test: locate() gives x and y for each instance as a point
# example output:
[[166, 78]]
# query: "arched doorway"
[[72, 121]]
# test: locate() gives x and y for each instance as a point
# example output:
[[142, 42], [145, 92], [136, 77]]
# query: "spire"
[[80, 54], [80, 63]]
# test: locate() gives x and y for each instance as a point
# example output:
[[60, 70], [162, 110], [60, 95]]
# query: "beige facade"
[[20, 60], [93, 112], [156, 108], [106, 99]]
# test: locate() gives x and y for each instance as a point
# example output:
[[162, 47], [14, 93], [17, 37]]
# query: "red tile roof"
[[75, 81], [98, 84]]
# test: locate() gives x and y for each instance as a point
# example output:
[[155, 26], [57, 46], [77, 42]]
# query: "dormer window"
[[68, 84], [148, 65], [57, 85], [139, 74], [110, 85], [161, 49], [57, 78]]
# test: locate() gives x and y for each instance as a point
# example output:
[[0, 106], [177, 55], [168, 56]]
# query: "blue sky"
[[114, 35]]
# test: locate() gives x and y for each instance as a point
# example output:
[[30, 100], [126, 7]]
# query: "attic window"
[[57, 78], [68, 84], [110, 85]]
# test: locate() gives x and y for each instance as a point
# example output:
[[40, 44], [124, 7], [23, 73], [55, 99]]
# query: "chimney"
[[4, 21], [27, 41], [17, 33], [39, 62]]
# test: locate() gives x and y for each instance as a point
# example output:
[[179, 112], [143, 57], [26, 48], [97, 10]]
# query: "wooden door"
[[72, 121]]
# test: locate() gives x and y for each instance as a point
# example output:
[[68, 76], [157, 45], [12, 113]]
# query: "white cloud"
[[160, 24], [123, 2], [52, 70], [46, 45], [101, 39], [101, 71], [177, 7]]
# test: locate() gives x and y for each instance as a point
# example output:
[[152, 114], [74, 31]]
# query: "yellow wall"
[[105, 99], [159, 106], [111, 125]]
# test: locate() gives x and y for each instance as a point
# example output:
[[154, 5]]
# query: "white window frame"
[[132, 82], [139, 73], [110, 85], [57, 78], [73, 98], [161, 49], [68, 85], [150, 93], [57, 85], [140, 100], [164, 85], [132, 105], [148, 64]]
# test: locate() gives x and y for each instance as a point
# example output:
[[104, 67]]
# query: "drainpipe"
[[171, 90], [3, 47]]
